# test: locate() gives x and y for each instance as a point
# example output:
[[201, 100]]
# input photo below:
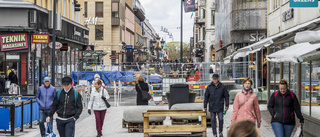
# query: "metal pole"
[[299, 81], [310, 88], [181, 33], [53, 64], [268, 75], [256, 71]]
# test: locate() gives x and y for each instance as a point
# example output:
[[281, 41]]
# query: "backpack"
[[75, 97], [276, 93]]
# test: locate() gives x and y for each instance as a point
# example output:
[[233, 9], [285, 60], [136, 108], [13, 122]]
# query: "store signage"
[[90, 20], [129, 47], [257, 36], [88, 48], [85, 36], [13, 41], [76, 33], [64, 47], [287, 15], [58, 45], [303, 3], [40, 38]]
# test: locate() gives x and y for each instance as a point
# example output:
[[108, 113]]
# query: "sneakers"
[[220, 134], [99, 135], [214, 135]]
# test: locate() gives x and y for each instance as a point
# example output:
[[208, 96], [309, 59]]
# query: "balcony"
[[200, 21], [115, 21], [138, 10]]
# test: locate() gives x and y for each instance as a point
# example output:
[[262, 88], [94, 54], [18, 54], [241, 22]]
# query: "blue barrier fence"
[[21, 114]]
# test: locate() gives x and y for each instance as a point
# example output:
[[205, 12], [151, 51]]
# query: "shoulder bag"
[[145, 94]]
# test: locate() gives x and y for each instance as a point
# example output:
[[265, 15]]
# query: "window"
[[212, 17], [275, 4], [45, 3], [203, 33], [65, 8], [204, 13], [99, 9], [85, 9], [113, 61], [115, 9], [99, 32]]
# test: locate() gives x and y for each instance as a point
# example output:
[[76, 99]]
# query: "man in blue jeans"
[[218, 97], [44, 97]]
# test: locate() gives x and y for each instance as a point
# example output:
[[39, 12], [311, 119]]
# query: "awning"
[[268, 41], [296, 53], [227, 59]]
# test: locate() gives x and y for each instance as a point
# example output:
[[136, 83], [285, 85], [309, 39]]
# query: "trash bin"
[[179, 93]]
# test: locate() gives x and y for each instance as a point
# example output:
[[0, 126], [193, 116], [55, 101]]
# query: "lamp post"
[[181, 33]]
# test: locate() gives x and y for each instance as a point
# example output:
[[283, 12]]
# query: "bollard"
[[22, 107], [115, 93], [12, 111], [31, 106]]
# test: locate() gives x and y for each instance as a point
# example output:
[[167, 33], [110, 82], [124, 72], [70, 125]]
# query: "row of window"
[[99, 9]]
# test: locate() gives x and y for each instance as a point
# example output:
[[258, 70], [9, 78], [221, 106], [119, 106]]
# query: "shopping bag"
[[8, 83], [298, 132], [49, 131]]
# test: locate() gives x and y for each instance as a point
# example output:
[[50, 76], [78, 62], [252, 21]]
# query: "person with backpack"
[[283, 105], [246, 105], [97, 103], [68, 105], [44, 97]]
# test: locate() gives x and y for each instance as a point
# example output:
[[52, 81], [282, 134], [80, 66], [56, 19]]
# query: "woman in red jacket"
[[245, 105]]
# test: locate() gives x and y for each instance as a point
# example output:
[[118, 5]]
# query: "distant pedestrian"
[[44, 97], [96, 77], [282, 105], [68, 105], [246, 105], [218, 97], [13, 77], [140, 87], [244, 128], [98, 105], [2, 85]]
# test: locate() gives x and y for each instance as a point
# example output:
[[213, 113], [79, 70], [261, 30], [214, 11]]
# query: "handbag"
[[145, 94], [50, 132], [105, 101], [8, 83]]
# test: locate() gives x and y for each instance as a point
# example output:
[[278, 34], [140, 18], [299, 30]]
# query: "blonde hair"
[[243, 129], [140, 78], [247, 79], [283, 82]]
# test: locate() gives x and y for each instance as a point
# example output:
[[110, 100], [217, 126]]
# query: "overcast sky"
[[167, 13]]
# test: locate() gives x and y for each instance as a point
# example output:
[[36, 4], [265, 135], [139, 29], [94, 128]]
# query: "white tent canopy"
[[296, 53]]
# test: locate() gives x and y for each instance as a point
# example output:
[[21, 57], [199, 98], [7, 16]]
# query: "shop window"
[[203, 33], [113, 61], [99, 9], [99, 32], [212, 17]]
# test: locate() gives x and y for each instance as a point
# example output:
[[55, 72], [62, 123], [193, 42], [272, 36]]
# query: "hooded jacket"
[[282, 108], [45, 96], [249, 111], [65, 107], [217, 96]]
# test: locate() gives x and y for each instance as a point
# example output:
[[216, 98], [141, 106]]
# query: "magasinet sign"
[[15, 41], [303, 3]]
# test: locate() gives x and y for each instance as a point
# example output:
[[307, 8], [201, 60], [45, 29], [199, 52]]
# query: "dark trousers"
[[66, 127], [43, 115], [213, 121], [99, 114]]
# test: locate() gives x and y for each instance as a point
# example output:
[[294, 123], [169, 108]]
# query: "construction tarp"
[[110, 76]]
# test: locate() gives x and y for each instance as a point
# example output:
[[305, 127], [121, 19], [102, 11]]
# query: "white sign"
[[85, 36], [92, 21], [58, 45], [257, 36], [76, 33]]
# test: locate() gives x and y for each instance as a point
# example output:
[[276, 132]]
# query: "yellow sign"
[[40, 38]]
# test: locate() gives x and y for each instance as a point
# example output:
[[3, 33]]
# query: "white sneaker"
[[220, 134]]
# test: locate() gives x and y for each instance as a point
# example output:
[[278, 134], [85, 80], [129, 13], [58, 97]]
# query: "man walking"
[[44, 97], [68, 105], [218, 97], [2, 85]]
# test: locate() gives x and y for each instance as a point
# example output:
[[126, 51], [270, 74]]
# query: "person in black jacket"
[[2, 85], [144, 86], [282, 105], [13, 77], [218, 97], [68, 108]]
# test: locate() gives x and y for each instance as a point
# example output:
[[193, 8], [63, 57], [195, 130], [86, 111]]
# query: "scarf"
[[246, 89]]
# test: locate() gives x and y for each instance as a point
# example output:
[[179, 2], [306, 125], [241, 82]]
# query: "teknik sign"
[[303, 3]]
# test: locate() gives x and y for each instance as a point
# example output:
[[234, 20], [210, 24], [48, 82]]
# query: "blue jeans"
[[282, 130], [43, 115], [213, 122], [66, 128]]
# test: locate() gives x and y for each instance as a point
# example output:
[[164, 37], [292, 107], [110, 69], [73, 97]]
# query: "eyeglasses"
[[47, 81]]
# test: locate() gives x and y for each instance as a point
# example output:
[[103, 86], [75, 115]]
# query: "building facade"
[[210, 54], [31, 59]]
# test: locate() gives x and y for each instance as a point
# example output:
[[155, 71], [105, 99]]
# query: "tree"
[[174, 50]]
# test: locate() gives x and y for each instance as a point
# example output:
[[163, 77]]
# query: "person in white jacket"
[[97, 104]]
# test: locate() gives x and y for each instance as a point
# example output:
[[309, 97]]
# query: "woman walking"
[[282, 105], [140, 87], [246, 106], [98, 105]]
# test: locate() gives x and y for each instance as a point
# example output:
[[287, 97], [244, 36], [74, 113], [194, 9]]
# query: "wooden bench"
[[147, 129]]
